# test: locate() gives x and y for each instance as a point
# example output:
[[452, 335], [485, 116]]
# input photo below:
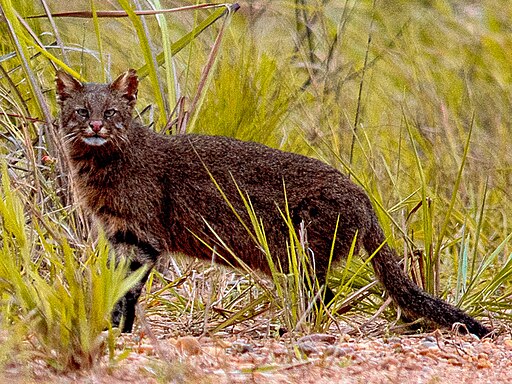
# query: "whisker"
[[115, 142], [124, 139], [70, 139], [70, 135]]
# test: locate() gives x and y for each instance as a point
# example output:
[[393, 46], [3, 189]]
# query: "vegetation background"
[[411, 98]]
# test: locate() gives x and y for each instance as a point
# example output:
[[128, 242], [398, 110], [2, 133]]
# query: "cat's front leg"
[[140, 253]]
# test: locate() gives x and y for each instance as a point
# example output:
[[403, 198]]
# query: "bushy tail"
[[408, 296]]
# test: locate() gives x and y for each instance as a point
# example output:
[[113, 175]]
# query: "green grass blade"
[[453, 199], [99, 41], [208, 70], [17, 35], [430, 271], [150, 66], [185, 40], [170, 75]]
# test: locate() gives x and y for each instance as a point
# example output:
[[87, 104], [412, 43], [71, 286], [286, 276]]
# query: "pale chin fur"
[[94, 141]]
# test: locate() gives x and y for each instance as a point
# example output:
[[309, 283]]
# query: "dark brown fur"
[[155, 193]]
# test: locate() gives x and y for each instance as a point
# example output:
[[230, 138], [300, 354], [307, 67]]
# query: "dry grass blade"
[[115, 14], [14, 28], [55, 31], [357, 117], [207, 70], [185, 40]]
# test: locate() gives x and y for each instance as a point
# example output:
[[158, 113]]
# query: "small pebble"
[[429, 342], [318, 338], [188, 346], [241, 347], [335, 351], [307, 348], [483, 363]]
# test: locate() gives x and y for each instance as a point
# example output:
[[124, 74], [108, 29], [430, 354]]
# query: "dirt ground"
[[319, 358]]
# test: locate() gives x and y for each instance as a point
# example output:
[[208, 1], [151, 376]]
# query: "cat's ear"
[[66, 85], [127, 84]]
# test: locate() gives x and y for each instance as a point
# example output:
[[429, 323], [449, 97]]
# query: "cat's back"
[[236, 155], [258, 169]]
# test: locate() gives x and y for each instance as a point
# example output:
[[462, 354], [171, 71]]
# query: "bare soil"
[[320, 358]]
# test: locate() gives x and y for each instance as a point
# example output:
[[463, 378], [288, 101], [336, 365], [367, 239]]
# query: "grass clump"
[[54, 301]]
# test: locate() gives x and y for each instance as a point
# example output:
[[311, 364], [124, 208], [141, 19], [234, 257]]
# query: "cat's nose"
[[96, 125]]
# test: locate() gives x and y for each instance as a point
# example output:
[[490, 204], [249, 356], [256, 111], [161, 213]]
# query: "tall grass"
[[48, 293], [411, 98]]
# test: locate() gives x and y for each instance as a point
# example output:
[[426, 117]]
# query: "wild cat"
[[160, 194]]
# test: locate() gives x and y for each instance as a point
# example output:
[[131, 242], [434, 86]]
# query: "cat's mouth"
[[95, 140]]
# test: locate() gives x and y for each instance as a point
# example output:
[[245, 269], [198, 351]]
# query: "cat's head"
[[94, 115]]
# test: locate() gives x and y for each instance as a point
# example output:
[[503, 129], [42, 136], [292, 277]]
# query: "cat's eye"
[[82, 112], [110, 113]]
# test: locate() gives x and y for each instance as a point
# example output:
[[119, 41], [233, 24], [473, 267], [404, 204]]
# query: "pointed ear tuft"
[[127, 85], [66, 85]]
